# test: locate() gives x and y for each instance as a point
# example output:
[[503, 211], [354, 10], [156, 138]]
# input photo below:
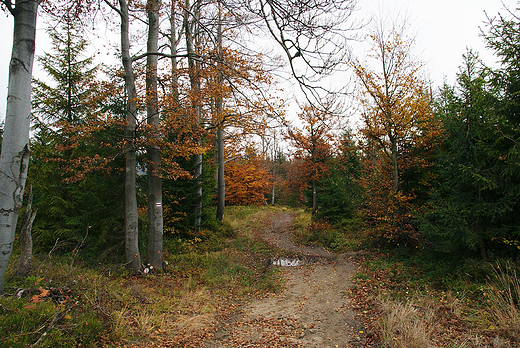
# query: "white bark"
[[26, 243], [15, 145]]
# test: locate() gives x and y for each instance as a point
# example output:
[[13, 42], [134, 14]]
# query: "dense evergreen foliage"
[[73, 204], [475, 203], [339, 193]]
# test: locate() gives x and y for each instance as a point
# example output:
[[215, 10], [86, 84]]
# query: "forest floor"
[[314, 310], [249, 284]]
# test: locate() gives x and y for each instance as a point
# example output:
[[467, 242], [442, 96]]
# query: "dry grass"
[[433, 322], [140, 310], [300, 231], [244, 218], [405, 325], [504, 300], [412, 313]]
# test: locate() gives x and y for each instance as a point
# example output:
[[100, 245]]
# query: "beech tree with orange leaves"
[[132, 254], [394, 97], [248, 180], [217, 90], [396, 117]]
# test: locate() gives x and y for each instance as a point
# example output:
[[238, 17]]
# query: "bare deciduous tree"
[[313, 34]]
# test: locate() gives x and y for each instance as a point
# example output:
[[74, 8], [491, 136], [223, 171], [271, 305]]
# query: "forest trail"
[[313, 311]]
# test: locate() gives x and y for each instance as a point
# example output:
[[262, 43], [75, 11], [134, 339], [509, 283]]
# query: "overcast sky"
[[444, 28]]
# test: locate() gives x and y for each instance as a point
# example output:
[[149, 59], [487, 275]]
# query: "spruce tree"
[[475, 200], [69, 98], [338, 192]]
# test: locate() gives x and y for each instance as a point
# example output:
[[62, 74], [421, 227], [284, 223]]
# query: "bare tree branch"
[[9, 6]]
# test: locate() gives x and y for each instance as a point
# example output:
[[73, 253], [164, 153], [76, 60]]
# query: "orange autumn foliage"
[[313, 139], [39, 297], [399, 132], [247, 180]]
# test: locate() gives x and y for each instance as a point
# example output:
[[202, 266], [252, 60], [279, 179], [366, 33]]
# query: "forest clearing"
[[235, 174]]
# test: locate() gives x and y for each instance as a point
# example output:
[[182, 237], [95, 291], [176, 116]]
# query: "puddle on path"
[[286, 262], [298, 261]]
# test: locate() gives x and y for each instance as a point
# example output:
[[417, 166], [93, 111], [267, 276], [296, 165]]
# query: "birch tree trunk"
[[155, 211], [14, 158], [26, 243]]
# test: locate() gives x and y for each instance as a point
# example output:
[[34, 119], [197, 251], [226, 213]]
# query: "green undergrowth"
[[67, 302], [342, 236]]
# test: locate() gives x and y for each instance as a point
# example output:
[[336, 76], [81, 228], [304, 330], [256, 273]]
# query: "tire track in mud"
[[313, 311]]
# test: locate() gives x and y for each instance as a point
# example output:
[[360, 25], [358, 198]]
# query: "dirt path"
[[312, 312]]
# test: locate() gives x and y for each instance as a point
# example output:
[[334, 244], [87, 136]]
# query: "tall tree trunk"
[[274, 154], [195, 89], [314, 197], [174, 41], [314, 172], [132, 255], [393, 154], [26, 244], [197, 174], [155, 212], [14, 158], [221, 181]]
